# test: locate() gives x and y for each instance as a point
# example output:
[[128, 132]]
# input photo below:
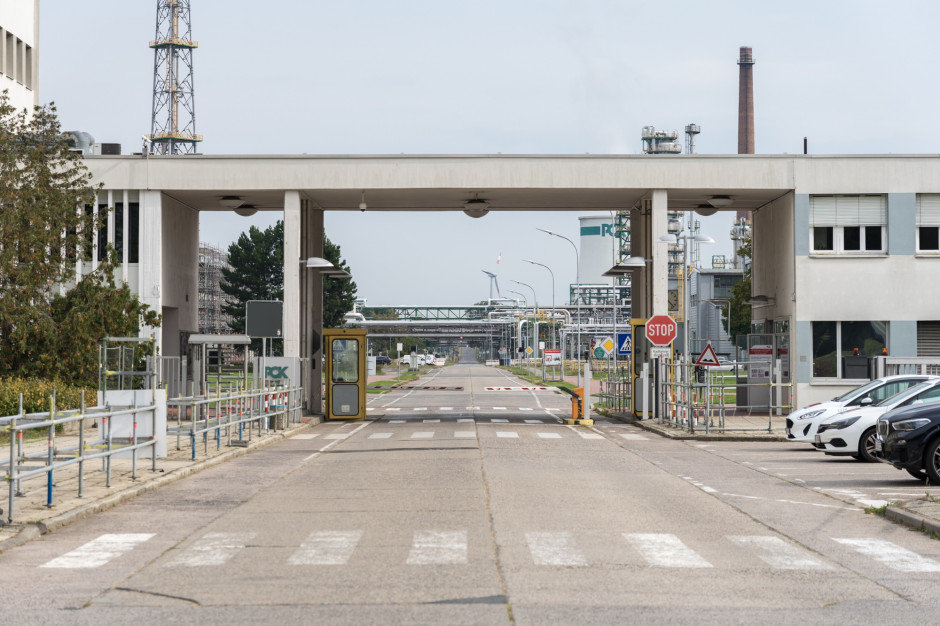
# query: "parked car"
[[383, 360], [909, 439], [802, 424], [852, 432]]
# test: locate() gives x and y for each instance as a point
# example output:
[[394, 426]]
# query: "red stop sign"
[[661, 330]]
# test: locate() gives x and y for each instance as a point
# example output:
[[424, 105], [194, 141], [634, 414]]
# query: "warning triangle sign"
[[708, 356]]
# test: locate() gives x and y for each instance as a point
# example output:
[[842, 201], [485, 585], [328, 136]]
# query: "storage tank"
[[598, 242]]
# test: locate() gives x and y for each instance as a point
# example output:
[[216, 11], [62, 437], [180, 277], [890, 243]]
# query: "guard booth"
[[345, 354]]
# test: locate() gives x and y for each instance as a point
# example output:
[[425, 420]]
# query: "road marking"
[[549, 435], [499, 408], [420, 408], [498, 421], [326, 547], [337, 436], [99, 551], [464, 434], [633, 437], [534, 421], [431, 421], [507, 435], [526, 408], [393, 408], [892, 555], [446, 408], [422, 435], [554, 549], [779, 554], [380, 436], [306, 436], [663, 550], [465, 420], [590, 436], [435, 547], [211, 549], [397, 422]]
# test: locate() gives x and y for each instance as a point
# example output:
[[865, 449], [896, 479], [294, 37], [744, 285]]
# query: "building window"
[[928, 223], [848, 224], [834, 340]]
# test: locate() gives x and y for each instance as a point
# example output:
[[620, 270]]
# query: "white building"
[[19, 51]]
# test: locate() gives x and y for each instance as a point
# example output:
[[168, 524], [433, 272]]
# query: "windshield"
[[858, 391], [907, 393]]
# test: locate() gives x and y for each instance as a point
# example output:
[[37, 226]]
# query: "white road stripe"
[[779, 554], [446, 408], [497, 420], [380, 436], [526, 408], [306, 436], [534, 422], [662, 550], [435, 547], [499, 408], [337, 436], [465, 420], [393, 408], [397, 422], [420, 408], [633, 437], [892, 555], [422, 435], [211, 549], [99, 551], [507, 435], [549, 436], [464, 434], [590, 436], [431, 421], [326, 547], [554, 549]]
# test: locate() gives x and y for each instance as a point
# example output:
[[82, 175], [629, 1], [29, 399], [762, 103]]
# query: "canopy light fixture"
[[477, 207], [719, 202], [705, 210], [231, 202], [246, 209]]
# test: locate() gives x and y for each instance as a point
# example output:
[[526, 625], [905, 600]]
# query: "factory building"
[[19, 52]]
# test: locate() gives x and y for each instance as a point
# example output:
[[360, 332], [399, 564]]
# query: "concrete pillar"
[[312, 303], [659, 226], [150, 266], [292, 270]]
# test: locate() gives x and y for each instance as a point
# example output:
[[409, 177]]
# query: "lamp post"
[[577, 279], [553, 294], [686, 279], [620, 270], [535, 323], [525, 303]]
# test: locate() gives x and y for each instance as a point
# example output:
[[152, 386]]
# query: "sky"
[[498, 76]]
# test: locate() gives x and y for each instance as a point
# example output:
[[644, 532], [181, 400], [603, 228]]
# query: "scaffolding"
[[212, 319]]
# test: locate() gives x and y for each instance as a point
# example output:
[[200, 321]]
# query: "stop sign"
[[661, 330]]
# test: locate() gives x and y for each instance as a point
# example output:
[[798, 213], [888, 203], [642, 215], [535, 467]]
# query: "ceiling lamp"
[[362, 202], [231, 202], [720, 202], [246, 209], [476, 207], [705, 210]]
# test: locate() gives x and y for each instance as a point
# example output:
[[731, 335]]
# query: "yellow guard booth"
[[345, 352]]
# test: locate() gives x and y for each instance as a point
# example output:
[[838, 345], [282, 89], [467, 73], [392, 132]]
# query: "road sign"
[[708, 357], [659, 352], [552, 356], [661, 330], [625, 341], [599, 353], [607, 343], [528, 350]]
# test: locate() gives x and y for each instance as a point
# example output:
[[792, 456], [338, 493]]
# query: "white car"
[[852, 432], [802, 424]]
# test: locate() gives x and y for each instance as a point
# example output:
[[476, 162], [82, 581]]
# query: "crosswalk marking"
[[663, 550], [327, 547], [397, 422], [423, 435], [99, 551], [549, 436], [498, 421], [779, 554], [892, 555], [464, 434], [307, 436], [211, 549], [591, 436], [634, 437], [431, 421], [534, 422], [465, 420], [507, 435], [555, 548], [434, 547], [446, 408], [380, 436], [337, 436]]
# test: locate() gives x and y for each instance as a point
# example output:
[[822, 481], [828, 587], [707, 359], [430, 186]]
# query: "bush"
[[36, 395]]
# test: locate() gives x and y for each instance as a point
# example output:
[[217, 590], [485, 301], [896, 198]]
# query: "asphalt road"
[[479, 506]]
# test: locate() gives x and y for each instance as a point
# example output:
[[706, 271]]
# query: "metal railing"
[[100, 443], [231, 414]]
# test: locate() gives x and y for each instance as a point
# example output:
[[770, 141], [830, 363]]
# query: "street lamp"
[[670, 238], [553, 295], [577, 279], [535, 324], [624, 268], [525, 304]]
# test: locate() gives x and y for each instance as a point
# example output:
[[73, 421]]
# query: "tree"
[[48, 226], [740, 318], [257, 273]]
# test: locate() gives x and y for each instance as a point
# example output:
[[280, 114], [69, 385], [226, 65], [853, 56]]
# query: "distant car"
[[909, 439], [724, 365], [852, 432], [383, 360], [802, 424]]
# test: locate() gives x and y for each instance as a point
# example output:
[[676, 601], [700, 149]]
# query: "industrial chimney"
[[746, 102]]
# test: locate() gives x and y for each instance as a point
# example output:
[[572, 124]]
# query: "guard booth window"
[[345, 360]]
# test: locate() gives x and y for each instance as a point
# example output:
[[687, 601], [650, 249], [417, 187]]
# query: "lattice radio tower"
[[173, 125]]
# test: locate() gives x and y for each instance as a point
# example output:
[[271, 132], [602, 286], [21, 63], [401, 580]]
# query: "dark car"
[[383, 360], [909, 439]]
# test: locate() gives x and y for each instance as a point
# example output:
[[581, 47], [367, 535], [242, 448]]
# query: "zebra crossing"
[[470, 434], [452, 547]]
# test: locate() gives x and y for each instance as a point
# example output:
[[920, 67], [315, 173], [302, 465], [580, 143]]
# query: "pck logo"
[[275, 372]]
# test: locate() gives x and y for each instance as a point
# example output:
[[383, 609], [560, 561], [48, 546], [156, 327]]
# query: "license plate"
[[818, 439]]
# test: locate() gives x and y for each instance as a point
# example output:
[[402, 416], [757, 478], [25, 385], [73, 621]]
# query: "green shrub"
[[36, 395]]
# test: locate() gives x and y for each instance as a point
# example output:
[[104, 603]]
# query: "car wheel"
[[919, 474], [932, 461], [866, 446]]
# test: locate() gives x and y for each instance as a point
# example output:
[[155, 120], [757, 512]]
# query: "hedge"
[[36, 395]]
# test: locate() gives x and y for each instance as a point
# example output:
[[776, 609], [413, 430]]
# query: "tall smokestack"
[[746, 102]]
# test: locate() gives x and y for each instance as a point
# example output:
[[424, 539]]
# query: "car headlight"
[[811, 414], [908, 425], [838, 424]]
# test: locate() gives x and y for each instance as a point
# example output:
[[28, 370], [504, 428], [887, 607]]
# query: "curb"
[[34, 530], [915, 521], [679, 435]]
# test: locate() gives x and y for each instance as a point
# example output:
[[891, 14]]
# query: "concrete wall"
[[180, 269], [20, 18]]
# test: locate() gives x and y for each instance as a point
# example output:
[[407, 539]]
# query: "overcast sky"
[[488, 76]]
